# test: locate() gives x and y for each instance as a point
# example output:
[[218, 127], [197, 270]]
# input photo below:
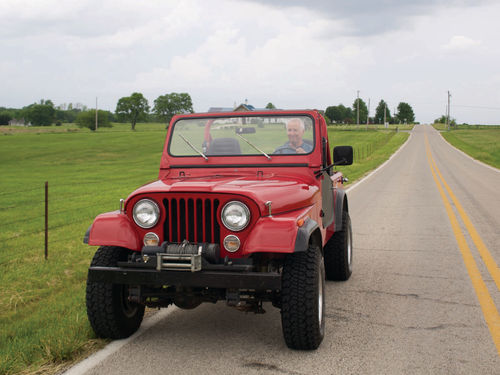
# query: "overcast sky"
[[295, 54]]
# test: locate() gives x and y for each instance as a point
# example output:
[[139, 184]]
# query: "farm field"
[[482, 143], [42, 302]]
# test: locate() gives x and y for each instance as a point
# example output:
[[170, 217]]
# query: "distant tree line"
[[135, 108], [131, 109], [45, 113], [341, 114]]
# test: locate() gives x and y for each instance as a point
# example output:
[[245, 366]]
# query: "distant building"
[[244, 108], [19, 122]]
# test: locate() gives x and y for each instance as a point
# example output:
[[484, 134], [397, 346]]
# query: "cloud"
[[461, 43], [93, 18], [293, 53], [232, 63], [368, 17]]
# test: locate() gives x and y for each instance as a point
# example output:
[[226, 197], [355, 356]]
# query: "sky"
[[294, 54]]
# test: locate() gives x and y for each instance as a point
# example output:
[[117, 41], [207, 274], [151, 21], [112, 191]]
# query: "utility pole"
[[448, 112], [96, 113], [385, 115], [368, 114], [357, 117]]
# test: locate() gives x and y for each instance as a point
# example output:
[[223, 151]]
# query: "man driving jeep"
[[295, 131]]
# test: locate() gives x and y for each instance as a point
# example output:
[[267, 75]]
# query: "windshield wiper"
[[255, 147], [194, 148]]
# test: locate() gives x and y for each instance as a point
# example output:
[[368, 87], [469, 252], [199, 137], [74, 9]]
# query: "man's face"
[[295, 132]]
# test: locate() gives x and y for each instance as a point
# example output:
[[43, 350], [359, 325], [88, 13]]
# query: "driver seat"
[[224, 146]]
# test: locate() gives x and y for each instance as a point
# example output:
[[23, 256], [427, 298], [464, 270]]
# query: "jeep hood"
[[285, 193]]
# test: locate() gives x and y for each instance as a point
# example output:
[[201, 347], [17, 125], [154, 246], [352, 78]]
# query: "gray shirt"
[[287, 148]]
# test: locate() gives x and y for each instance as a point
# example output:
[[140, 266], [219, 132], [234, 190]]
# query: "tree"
[[47, 102], [442, 120], [132, 108], [334, 113], [86, 119], [405, 113], [348, 117], [270, 106], [379, 113], [168, 105], [339, 114], [39, 114], [363, 110], [5, 117]]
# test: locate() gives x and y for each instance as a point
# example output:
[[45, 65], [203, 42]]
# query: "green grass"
[[371, 148], [371, 127], [482, 144], [43, 321], [439, 126], [42, 303]]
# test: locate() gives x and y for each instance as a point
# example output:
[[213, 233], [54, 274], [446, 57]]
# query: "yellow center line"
[[481, 247], [490, 312]]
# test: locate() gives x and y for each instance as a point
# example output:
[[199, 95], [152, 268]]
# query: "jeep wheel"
[[110, 313], [338, 252], [303, 307]]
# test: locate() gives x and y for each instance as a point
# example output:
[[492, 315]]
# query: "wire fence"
[[54, 207]]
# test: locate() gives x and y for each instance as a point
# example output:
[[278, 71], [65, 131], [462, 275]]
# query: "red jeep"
[[246, 209]]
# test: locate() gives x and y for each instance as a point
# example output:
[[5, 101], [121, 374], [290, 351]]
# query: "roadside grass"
[[481, 143], [371, 148], [362, 127], [43, 321], [42, 302], [73, 128], [439, 126]]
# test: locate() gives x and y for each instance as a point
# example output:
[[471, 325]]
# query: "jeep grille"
[[191, 218]]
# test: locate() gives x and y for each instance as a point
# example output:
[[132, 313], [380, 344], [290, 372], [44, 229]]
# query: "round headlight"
[[235, 216], [146, 213]]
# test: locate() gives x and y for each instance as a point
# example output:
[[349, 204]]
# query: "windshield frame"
[[215, 116]]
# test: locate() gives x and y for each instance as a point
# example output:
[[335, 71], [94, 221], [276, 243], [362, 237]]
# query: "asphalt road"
[[415, 304]]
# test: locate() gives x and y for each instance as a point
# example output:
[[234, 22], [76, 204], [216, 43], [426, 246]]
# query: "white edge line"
[[99, 356], [352, 187], [467, 155]]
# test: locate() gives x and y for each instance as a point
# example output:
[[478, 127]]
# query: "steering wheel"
[[286, 150]]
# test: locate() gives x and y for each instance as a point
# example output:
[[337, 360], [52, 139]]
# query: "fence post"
[[46, 219]]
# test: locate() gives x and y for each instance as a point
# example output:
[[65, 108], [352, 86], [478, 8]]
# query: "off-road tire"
[[302, 293], [338, 252], [110, 314]]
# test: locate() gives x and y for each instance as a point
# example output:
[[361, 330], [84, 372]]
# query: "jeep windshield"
[[242, 135]]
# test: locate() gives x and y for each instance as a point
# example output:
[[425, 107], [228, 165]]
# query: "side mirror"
[[342, 155]]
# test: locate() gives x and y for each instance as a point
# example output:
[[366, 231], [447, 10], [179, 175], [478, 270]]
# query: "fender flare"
[[303, 235], [113, 229], [340, 205]]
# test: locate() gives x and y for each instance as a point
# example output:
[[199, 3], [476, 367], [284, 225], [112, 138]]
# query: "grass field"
[[480, 142], [43, 319]]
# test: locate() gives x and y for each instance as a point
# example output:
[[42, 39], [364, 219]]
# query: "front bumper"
[[204, 278]]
